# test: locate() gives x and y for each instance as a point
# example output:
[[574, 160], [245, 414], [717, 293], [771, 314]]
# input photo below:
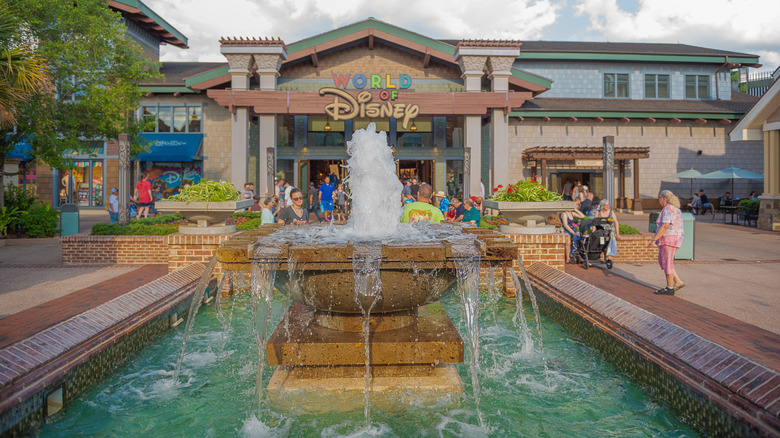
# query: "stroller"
[[596, 234]]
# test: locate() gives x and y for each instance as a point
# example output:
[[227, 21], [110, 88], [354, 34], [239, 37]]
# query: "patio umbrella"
[[732, 173], [690, 173]]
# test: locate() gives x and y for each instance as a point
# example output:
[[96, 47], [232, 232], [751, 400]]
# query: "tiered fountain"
[[364, 310]]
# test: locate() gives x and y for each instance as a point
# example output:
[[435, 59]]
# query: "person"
[[422, 210], [753, 195], [586, 203], [407, 190], [414, 188], [570, 228], [460, 210], [340, 198], [334, 179], [575, 190], [695, 203], [477, 202], [472, 215], [326, 199], [604, 211], [143, 195], [726, 199], [705, 201], [567, 186], [248, 192], [450, 214], [444, 203], [287, 190], [669, 238], [113, 206], [256, 207], [267, 216], [294, 214], [314, 200]]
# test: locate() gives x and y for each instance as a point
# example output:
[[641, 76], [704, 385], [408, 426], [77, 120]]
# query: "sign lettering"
[[346, 107]]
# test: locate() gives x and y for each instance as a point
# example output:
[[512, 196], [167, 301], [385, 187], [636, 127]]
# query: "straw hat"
[[440, 194]]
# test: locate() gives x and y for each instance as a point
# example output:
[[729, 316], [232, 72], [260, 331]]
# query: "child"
[[341, 203]]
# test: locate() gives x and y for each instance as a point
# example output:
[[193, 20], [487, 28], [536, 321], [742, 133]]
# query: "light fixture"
[[327, 126], [413, 127]]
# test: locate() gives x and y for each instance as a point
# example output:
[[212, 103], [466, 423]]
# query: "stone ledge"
[[739, 387]]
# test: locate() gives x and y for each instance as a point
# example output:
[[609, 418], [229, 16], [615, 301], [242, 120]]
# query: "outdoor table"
[[726, 210]]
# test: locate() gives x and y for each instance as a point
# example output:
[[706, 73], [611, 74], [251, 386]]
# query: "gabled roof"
[[137, 11], [370, 30], [752, 125]]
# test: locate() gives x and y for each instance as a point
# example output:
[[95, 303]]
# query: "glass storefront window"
[[83, 183], [195, 117], [324, 132], [28, 178], [455, 132], [285, 169], [164, 114], [285, 131], [417, 135], [179, 119], [172, 176], [455, 178]]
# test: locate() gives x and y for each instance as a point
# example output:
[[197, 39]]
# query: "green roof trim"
[[207, 76], [618, 114], [162, 89], [366, 24], [157, 19], [532, 78], [529, 56]]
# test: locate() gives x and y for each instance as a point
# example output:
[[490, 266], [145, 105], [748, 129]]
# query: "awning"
[[21, 151], [172, 147]]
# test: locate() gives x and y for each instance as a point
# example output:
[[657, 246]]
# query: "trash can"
[[652, 227], [69, 219], [686, 251]]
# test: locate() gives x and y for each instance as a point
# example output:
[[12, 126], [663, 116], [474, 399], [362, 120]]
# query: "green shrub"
[[41, 221], [16, 197], [8, 217], [251, 224], [627, 229], [134, 229], [750, 205], [162, 219]]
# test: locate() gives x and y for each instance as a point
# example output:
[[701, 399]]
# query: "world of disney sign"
[[346, 107]]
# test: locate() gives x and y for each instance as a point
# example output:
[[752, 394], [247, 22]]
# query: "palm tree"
[[22, 70]]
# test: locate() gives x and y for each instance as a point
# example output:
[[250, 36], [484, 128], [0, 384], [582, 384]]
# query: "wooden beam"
[[675, 121], [150, 94], [177, 94], [625, 120], [598, 119], [573, 119], [310, 102], [370, 42], [650, 120], [700, 121], [426, 60], [724, 122], [314, 60], [546, 119]]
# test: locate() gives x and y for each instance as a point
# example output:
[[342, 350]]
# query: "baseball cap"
[[114, 190]]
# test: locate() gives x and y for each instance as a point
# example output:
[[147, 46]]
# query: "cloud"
[[723, 24], [204, 21]]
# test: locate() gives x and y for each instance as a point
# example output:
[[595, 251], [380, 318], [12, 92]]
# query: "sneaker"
[[665, 291]]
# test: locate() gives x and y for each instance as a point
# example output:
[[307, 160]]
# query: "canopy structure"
[[690, 174], [732, 173]]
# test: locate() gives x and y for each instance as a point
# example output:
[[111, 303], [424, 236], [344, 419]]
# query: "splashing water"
[[197, 298], [263, 277], [535, 306]]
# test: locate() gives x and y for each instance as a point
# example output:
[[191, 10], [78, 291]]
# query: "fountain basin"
[[412, 274]]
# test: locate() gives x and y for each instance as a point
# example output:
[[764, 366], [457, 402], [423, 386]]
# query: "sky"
[[744, 26]]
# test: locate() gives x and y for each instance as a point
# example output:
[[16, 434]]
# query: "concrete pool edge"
[[710, 386], [65, 359]]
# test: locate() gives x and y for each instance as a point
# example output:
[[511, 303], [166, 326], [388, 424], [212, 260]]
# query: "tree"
[[95, 71]]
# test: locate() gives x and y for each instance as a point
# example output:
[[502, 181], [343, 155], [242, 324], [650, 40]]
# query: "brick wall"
[[634, 248], [184, 250], [85, 248]]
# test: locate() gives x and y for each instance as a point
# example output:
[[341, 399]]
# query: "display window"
[[172, 176], [82, 184]]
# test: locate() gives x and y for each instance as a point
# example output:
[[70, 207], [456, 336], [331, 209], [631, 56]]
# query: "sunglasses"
[[297, 198]]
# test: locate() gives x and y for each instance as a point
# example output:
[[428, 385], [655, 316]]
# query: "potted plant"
[[526, 205], [205, 206]]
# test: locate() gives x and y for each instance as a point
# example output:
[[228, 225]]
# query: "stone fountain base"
[[408, 353]]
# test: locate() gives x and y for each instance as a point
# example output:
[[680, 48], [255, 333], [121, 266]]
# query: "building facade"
[[461, 113]]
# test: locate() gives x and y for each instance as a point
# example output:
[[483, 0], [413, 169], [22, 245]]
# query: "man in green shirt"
[[422, 210], [472, 215]]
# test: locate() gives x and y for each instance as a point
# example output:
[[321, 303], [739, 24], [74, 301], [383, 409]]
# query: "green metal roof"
[[619, 114], [157, 19], [632, 57]]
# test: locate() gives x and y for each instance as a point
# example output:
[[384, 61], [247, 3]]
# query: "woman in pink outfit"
[[669, 238]]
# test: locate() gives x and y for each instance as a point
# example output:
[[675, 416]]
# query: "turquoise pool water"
[[581, 395]]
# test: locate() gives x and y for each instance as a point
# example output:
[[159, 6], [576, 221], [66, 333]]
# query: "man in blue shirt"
[[326, 199], [472, 215], [460, 210]]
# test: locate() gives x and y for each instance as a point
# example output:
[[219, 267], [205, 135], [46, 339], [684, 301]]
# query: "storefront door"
[[82, 184], [421, 170]]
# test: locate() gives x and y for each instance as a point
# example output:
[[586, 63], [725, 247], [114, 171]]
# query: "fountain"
[[365, 312]]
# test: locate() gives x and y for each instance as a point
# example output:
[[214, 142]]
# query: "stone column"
[[621, 200], [637, 200], [125, 190], [268, 66], [769, 210], [472, 68], [499, 71], [240, 72]]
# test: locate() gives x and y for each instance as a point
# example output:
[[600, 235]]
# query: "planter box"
[[528, 217], [205, 217]]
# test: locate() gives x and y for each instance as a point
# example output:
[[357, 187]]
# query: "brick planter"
[[134, 250]]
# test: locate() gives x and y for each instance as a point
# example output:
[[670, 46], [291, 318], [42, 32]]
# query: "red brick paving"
[[750, 341], [21, 325]]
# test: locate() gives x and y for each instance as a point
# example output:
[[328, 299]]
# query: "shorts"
[[326, 206], [144, 204], [340, 209]]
